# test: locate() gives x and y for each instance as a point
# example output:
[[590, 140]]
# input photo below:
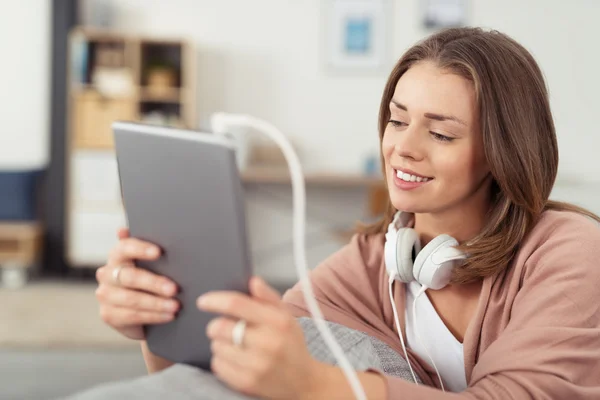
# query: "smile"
[[410, 176]]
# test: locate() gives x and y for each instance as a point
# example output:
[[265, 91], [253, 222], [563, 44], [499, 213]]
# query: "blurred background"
[[314, 68]]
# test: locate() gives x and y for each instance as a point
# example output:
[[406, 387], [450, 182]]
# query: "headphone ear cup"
[[407, 240], [434, 264]]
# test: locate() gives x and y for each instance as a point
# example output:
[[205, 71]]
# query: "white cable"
[[423, 289], [220, 123], [391, 281]]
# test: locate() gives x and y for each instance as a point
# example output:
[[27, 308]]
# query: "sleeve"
[[346, 286], [550, 348]]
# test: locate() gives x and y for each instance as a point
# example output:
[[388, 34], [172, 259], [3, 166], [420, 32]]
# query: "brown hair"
[[519, 138]]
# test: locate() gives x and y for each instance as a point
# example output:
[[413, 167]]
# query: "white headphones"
[[432, 265]]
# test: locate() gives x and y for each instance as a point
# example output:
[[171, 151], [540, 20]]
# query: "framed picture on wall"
[[355, 34], [440, 14]]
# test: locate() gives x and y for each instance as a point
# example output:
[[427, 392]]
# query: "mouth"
[[407, 175]]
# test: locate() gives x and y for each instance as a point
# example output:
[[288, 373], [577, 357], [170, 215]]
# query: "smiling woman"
[[470, 155]]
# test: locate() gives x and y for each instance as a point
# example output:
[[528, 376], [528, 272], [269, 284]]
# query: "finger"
[[133, 249], [119, 317], [126, 298], [122, 233], [138, 278], [236, 356], [240, 369], [230, 373], [241, 306], [255, 338], [261, 290]]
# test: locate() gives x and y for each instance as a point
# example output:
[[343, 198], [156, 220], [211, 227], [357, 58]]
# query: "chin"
[[403, 203]]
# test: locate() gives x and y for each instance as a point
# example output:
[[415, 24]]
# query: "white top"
[[443, 347]]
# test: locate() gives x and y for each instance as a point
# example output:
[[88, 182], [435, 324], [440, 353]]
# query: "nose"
[[409, 144]]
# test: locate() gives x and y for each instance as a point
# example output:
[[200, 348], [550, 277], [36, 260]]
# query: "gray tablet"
[[182, 191]]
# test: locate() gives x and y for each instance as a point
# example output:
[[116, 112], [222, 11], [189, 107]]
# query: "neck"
[[462, 226]]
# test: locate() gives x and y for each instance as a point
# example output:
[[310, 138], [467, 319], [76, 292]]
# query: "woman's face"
[[432, 145]]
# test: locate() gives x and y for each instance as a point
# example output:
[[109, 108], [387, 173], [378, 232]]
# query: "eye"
[[397, 124], [441, 137]]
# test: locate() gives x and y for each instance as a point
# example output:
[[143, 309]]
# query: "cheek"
[[463, 170], [387, 147]]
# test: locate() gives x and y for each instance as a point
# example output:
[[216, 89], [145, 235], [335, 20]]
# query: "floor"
[[53, 343], [51, 314], [54, 374]]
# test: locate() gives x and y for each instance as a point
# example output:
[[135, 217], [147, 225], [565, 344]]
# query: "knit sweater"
[[535, 333]]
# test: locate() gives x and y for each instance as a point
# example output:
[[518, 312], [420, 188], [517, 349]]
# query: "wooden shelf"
[[270, 175]]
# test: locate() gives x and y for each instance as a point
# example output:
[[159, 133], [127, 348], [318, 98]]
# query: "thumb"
[[122, 233], [262, 291]]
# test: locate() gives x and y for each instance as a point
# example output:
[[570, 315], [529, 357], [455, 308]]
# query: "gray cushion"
[[183, 382]]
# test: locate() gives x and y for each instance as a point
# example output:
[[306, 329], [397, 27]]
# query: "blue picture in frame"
[[358, 35]]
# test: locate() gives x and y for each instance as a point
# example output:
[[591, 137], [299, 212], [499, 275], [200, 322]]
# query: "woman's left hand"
[[272, 361]]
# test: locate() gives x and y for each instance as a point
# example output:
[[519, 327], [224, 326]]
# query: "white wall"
[[262, 57], [24, 96]]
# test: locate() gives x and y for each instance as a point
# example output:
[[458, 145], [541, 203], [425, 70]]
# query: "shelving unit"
[[115, 77]]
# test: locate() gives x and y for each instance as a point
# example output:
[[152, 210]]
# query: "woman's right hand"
[[138, 297]]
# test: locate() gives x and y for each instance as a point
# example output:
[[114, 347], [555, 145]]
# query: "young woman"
[[469, 150]]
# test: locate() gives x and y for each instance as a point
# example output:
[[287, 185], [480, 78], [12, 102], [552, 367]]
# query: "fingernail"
[[168, 288], [170, 306], [210, 327], [151, 252], [203, 301], [167, 316]]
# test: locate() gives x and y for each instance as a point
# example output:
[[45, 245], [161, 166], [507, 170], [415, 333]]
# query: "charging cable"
[[220, 124], [399, 329]]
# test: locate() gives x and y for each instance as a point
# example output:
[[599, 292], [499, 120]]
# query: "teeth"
[[410, 178]]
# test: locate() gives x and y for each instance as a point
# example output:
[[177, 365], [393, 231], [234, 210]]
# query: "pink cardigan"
[[536, 331]]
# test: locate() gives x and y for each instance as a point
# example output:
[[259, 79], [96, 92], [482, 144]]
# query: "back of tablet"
[[182, 191]]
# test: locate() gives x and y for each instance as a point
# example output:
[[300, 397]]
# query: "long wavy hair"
[[519, 138]]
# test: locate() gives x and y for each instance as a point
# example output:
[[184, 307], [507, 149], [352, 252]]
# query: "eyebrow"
[[437, 117]]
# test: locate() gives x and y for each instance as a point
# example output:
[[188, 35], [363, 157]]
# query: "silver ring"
[[116, 275], [237, 335]]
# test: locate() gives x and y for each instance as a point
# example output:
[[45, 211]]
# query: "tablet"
[[182, 191]]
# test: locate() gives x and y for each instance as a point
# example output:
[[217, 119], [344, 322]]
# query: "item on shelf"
[[110, 75], [161, 78], [160, 118], [113, 82]]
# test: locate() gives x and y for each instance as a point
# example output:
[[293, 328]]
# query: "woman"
[[469, 150]]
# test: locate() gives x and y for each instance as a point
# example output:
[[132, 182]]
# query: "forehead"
[[425, 88]]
